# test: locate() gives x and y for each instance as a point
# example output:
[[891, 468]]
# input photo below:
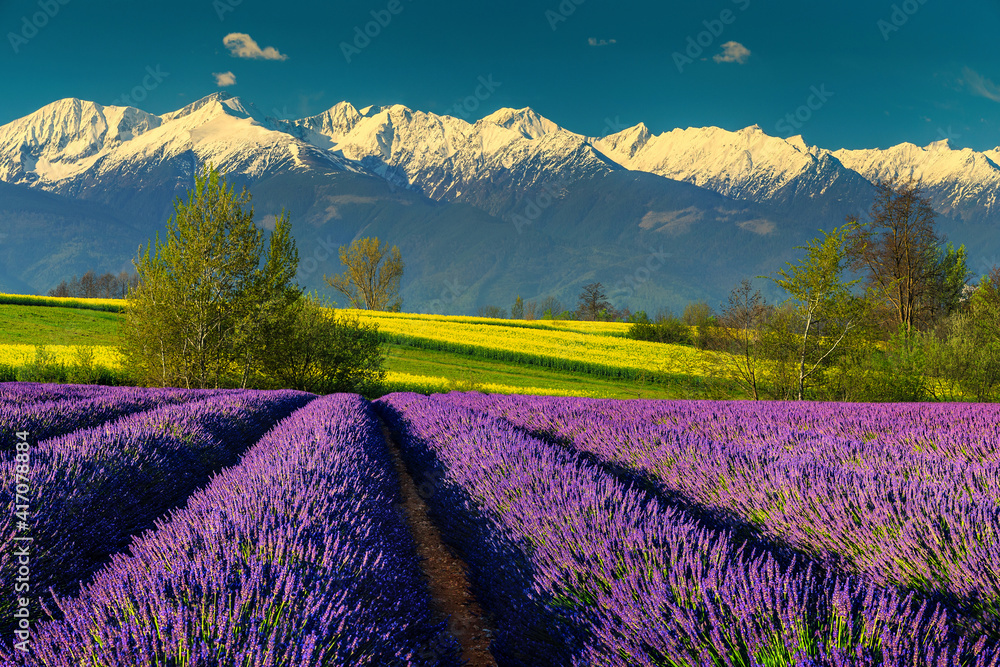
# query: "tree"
[[271, 297], [897, 248], [697, 314], [373, 274], [666, 329], [491, 311], [740, 323], [517, 310], [592, 301], [949, 279], [316, 350], [92, 286], [965, 352], [827, 309], [551, 307], [216, 306], [195, 318]]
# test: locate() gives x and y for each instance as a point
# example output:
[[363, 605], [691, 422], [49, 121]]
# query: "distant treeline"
[[93, 286]]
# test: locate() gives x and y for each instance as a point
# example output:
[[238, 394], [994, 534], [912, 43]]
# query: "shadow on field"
[[529, 630]]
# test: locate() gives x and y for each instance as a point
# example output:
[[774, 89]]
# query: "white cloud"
[[593, 41], [242, 45], [223, 79], [981, 86], [732, 52]]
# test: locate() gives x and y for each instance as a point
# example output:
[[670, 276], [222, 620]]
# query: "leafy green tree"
[[696, 314], [271, 297], [965, 351], [194, 319], [666, 329], [828, 311], [316, 349], [949, 280], [216, 306], [373, 274]]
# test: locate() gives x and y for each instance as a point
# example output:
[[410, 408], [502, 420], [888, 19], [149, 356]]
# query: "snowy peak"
[[626, 143], [74, 138], [216, 103], [798, 142], [196, 105], [52, 142], [959, 182], [746, 164], [524, 121], [445, 157], [335, 122]]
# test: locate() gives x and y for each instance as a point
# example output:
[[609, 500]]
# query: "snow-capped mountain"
[[66, 137], [747, 165], [73, 139], [493, 163], [448, 158], [546, 206], [961, 183]]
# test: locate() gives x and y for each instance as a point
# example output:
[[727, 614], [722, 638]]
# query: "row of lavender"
[[580, 568], [88, 492], [25, 392], [296, 556], [906, 494], [44, 411]]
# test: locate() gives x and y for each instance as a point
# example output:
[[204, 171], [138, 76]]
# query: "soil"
[[447, 575]]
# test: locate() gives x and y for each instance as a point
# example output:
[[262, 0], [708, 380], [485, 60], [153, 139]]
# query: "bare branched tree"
[[897, 248], [740, 323], [372, 278]]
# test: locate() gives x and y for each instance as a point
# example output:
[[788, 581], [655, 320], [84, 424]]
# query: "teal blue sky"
[[851, 74]]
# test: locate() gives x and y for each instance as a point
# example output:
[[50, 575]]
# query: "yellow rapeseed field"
[[16, 355], [593, 328], [431, 384], [112, 305], [583, 344]]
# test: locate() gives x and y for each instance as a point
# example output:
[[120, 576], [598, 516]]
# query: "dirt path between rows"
[[446, 574]]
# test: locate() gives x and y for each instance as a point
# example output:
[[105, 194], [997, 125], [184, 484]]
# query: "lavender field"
[[252, 528]]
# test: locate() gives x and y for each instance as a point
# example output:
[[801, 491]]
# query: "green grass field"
[[471, 371], [46, 325], [57, 326]]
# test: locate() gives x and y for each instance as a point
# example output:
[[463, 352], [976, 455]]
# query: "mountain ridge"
[[343, 170]]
